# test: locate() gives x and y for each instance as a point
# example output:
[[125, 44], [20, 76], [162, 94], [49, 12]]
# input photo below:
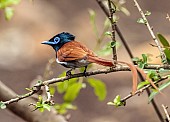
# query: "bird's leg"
[[85, 68], [68, 73]]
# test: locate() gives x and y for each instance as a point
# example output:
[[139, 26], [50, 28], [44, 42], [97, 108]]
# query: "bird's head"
[[59, 40]]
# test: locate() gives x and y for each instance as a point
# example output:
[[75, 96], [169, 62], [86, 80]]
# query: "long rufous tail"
[[100, 61]]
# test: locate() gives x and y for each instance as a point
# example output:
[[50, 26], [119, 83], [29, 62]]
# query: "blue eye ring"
[[56, 40]]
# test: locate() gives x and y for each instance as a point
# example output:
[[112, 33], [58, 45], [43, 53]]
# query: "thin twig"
[[34, 90], [103, 7], [22, 110], [163, 56], [140, 90], [37, 86], [47, 89], [113, 24], [166, 112], [105, 10]]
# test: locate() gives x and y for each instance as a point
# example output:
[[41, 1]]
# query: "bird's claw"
[[68, 73], [85, 73]]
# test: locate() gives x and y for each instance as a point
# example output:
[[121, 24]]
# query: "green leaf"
[[141, 65], [52, 90], [46, 106], [28, 89], [113, 44], [6, 3], [125, 11], [117, 102], [147, 13], [9, 12], [41, 109], [141, 62], [106, 50], [83, 68], [108, 33], [92, 15], [141, 21], [2, 105], [161, 87], [142, 84], [62, 108], [153, 75], [167, 53], [163, 40], [72, 92], [145, 58], [41, 105], [106, 23], [93, 21], [99, 88], [136, 59], [40, 100], [62, 86]]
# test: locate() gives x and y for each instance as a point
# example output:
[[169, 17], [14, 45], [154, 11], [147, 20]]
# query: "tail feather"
[[100, 61]]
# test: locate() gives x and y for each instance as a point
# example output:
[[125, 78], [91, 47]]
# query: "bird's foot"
[[85, 73], [68, 73]]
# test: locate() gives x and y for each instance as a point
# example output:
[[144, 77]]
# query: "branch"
[[105, 10], [47, 89], [113, 25], [100, 3], [141, 90], [166, 112], [37, 86], [163, 56], [34, 90], [24, 111]]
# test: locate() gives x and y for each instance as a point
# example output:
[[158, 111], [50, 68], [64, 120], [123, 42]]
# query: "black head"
[[59, 40]]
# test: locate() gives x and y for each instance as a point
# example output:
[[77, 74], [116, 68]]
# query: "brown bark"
[[24, 111]]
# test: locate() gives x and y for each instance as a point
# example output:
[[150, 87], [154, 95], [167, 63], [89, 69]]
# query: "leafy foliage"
[[106, 26], [2, 105], [63, 108], [163, 40], [141, 62], [152, 74], [72, 92], [8, 10], [161, 87], [143, 21], [166, 46], [99, 88], [106, 50], [142, 84], [63, 86], [117, 102], [41, 105]]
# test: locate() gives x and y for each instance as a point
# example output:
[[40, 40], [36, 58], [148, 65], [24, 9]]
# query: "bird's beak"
[[48, 43]]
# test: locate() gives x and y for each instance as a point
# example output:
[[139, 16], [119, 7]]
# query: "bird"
[[73, 54]]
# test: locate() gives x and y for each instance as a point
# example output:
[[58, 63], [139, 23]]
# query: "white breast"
[[60, 62]]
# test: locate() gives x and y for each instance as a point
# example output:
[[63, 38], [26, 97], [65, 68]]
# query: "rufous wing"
[[72, 51]]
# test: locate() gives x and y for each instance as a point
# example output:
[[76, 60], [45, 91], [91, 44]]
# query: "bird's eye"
[[56, 39]]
